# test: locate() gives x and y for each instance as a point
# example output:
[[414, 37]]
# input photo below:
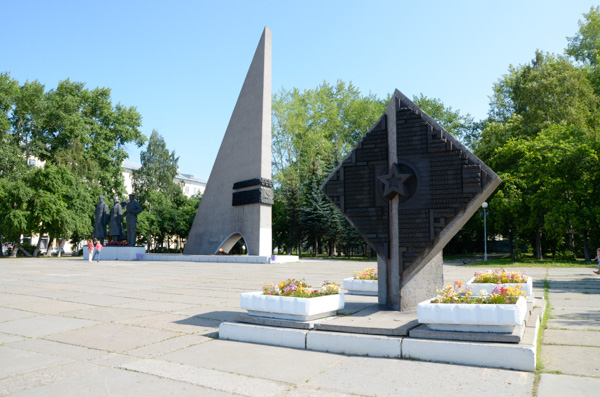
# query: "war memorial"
[[407, 187]]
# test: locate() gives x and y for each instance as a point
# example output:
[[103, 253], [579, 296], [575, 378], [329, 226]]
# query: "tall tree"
[[463, 127], [532, 108], [159, 194], [312, 130], [158, 169]]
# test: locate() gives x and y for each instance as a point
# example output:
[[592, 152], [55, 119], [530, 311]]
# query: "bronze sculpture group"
[[114, 220]]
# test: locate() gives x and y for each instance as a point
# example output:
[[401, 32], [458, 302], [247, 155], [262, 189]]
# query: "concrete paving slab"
[[306, 391], [6, 338], [49, 306], [215, 312], [38, 326], [7, 299], [572, 360], [168, 346], [154, 306], [580, 325], [112, 337], [17, 361], [56, 349], [44, 376], [566, 296], [564, 385], [175, 323], [106, 314], [275, 363], [101, 300], [42, 293], [571, 337], [114, 360], [211, 379], [8, 314], [570, 313], [401, 377], [109, 381], [152, 295]]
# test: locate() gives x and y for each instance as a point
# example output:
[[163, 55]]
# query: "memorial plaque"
[[407, 188]]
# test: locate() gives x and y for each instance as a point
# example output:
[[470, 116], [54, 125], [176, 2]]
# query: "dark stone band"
[[253, 196], [253, 182]]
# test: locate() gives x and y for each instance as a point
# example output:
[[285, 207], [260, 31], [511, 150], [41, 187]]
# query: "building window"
[[31, 162], [187, 190]]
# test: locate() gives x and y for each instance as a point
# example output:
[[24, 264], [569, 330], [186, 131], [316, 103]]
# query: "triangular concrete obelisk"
[[238, 197]]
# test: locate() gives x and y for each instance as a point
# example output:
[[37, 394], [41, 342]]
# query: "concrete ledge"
[[273, 322], [284, 258], [494, 355], [206, 258], [117, 253], [286, 337], [354, 344], [425, 332]]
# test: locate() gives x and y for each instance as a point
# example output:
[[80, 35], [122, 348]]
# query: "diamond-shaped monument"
[[408, 187]]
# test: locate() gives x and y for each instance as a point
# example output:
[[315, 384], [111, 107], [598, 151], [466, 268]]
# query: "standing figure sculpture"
[[115, 229], [132, 209], [101, 220]]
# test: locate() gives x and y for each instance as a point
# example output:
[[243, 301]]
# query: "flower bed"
[[457, 310], [117, 244], [361, 287], [293, 300], [290, 308], [478, 317], [489, 280], [363, 283]]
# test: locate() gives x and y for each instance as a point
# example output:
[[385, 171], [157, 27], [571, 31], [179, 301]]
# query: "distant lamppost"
[[484, 206]]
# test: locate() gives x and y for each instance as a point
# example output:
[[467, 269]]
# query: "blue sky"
[[182, 63]]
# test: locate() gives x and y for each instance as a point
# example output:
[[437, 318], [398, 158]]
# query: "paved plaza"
[[69, 327]]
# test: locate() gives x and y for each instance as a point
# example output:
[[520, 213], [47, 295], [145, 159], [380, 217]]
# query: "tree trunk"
[[538, 243], [60, 248], [586, 247], [20, 247], [511, 247], [571, 238], [37, 247], [49, 249]]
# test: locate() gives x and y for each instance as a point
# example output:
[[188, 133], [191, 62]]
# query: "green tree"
[[78, 118], [15, 215], [532, 105], [160, 196], [312, 130], [463, 127], [585, 45]]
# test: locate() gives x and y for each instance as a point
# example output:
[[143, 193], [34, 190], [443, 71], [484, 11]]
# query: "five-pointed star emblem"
[[395, 183]]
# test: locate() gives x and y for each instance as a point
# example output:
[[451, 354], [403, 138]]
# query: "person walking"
[[597, 271], [90, 249], [98, 249]]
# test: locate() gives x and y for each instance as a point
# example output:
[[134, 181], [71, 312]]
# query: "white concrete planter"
[[113, 253], [502, 318], [288, 308], [361, 287], [477, 287]]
